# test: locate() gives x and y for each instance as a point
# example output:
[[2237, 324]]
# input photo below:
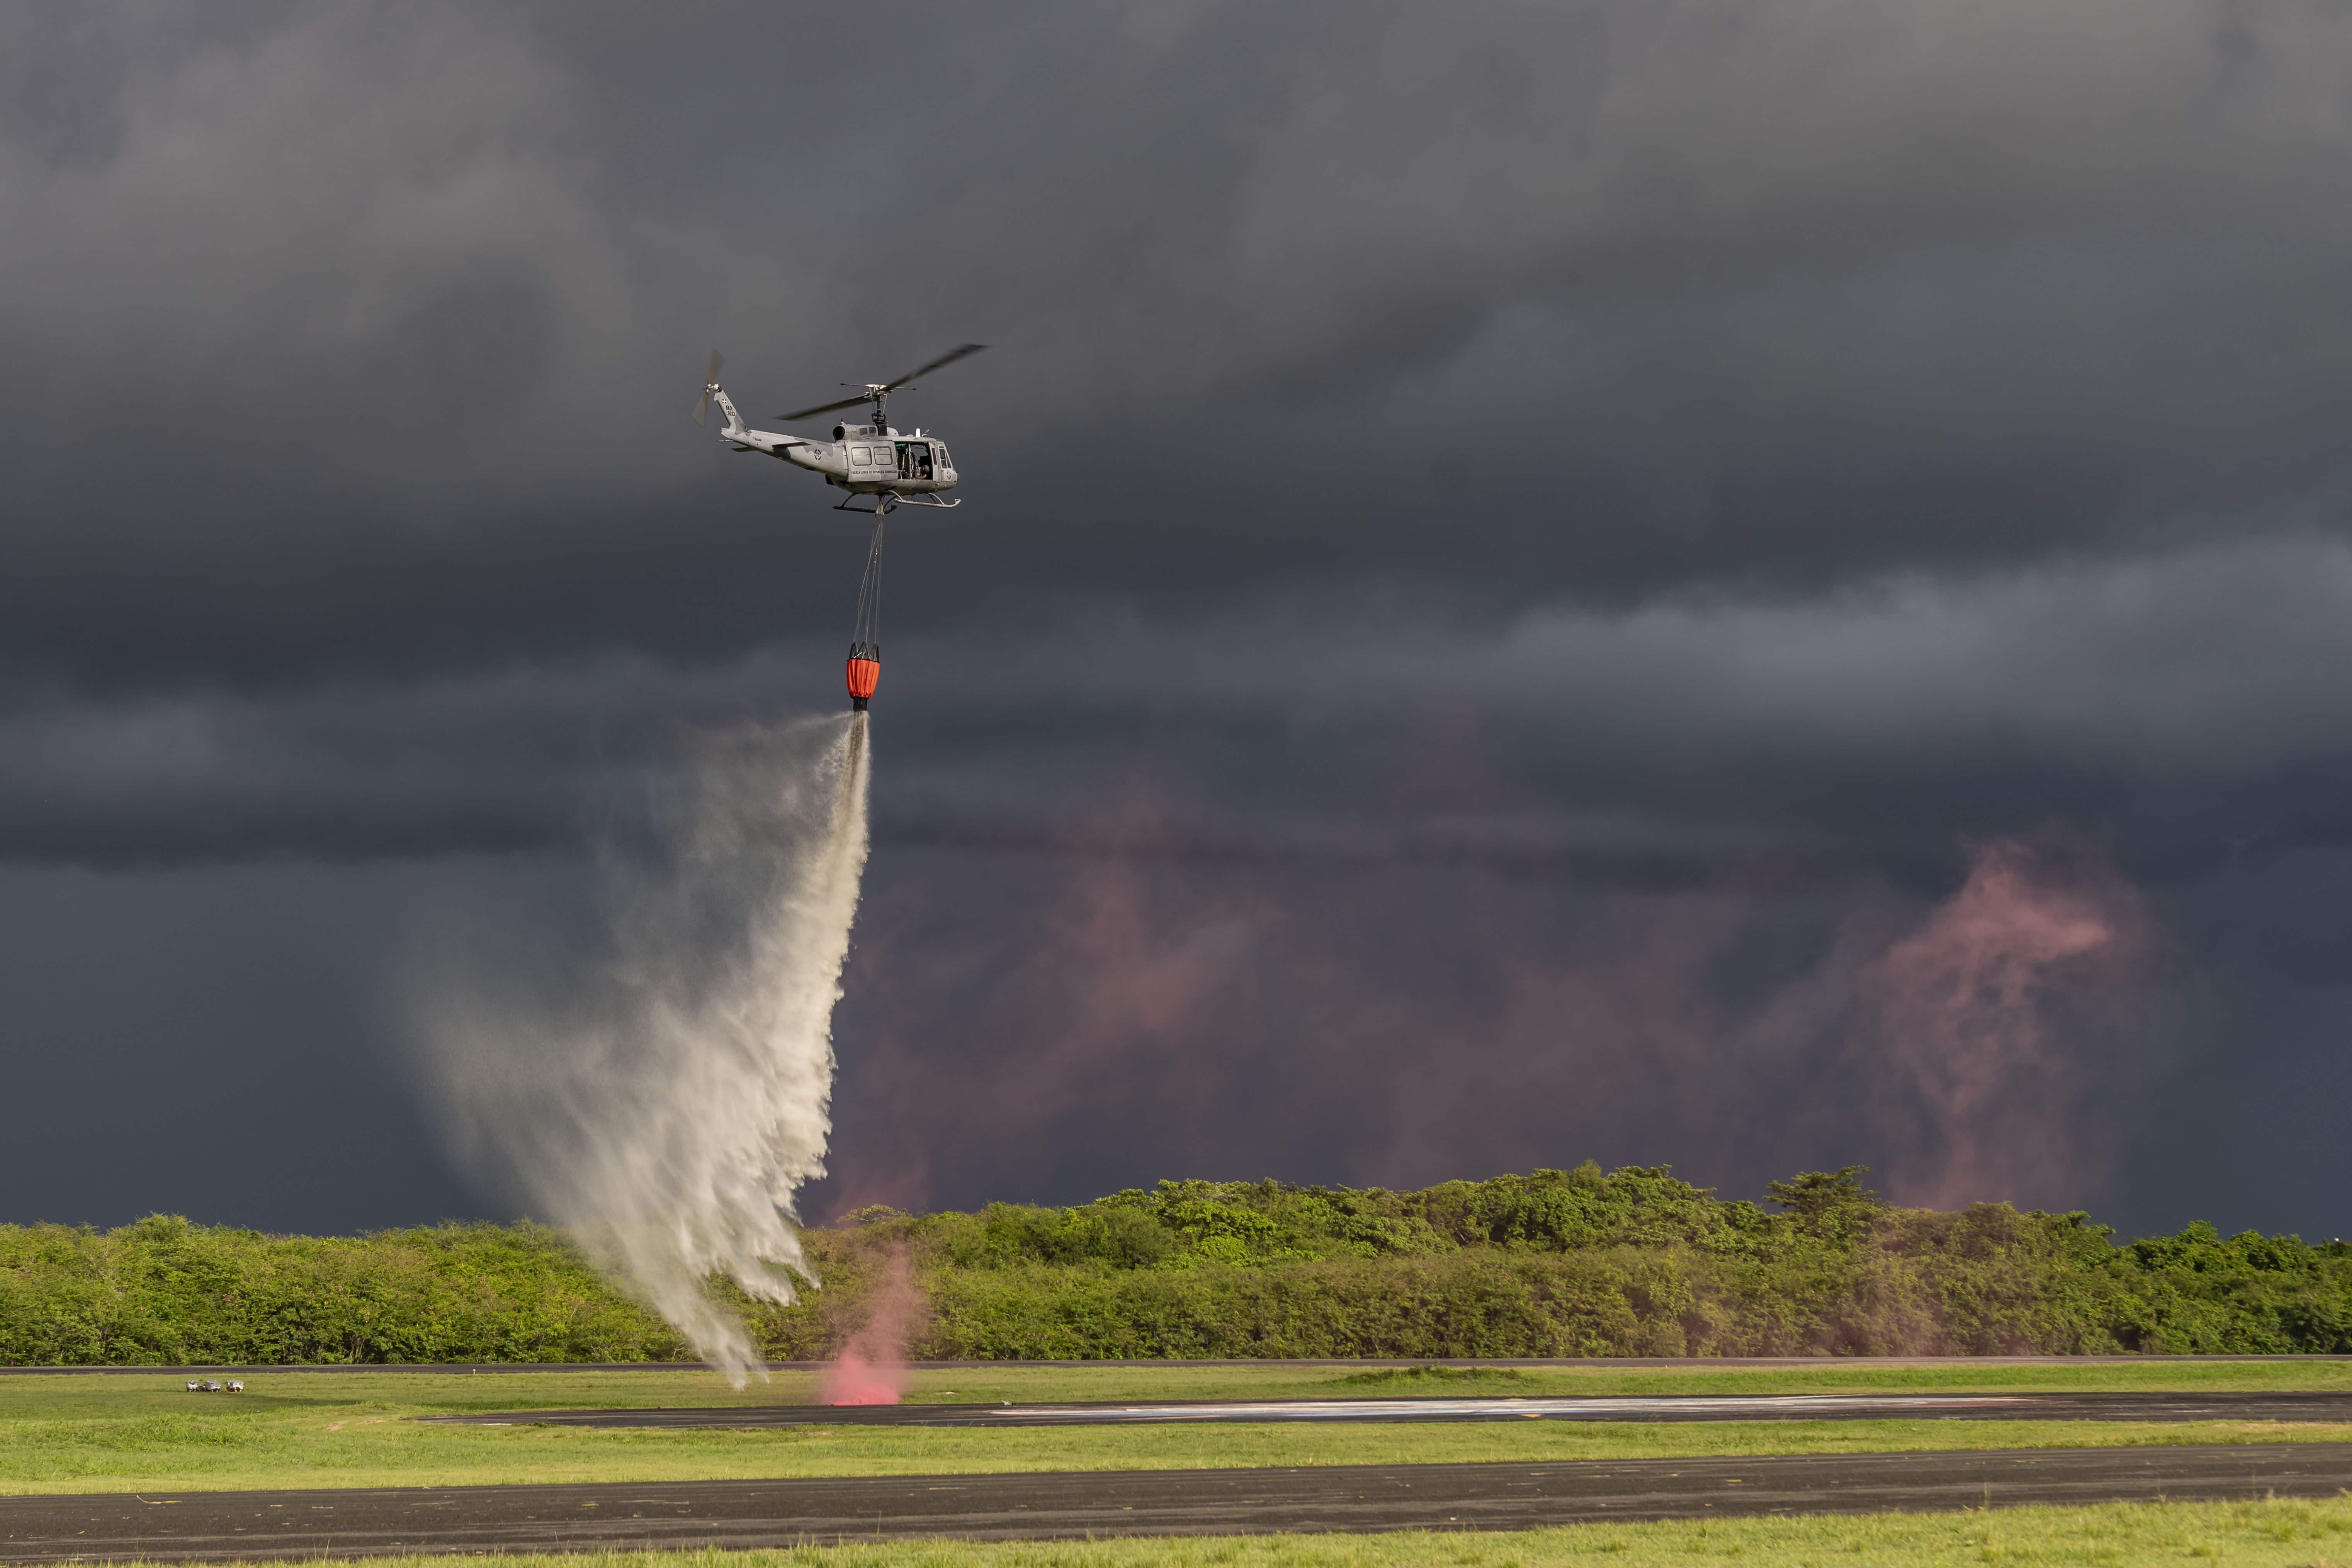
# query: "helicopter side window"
[[940, 456], [860, 455]]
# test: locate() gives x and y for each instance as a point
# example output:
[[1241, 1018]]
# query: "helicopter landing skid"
[[884, 502]]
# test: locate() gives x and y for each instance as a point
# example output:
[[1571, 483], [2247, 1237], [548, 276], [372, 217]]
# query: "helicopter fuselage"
[[863, 459]]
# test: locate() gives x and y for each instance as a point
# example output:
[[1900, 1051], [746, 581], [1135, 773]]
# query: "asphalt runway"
[[1587, 1364], [196, 1526], [2080, 1406]]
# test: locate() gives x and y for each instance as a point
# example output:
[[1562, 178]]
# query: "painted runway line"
[[2330, 1406]]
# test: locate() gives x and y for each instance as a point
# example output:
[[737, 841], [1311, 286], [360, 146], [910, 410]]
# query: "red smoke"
[[872, 1367], [2025, 997]]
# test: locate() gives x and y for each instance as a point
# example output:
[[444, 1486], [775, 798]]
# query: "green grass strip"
[[99, 1433]]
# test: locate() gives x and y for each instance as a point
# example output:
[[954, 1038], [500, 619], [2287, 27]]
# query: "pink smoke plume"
[[872, 1367], [2009, 1023]]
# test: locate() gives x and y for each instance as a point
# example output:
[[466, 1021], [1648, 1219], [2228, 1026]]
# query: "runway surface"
[[2082, 1407], [1586, 1363], [185, 1526]]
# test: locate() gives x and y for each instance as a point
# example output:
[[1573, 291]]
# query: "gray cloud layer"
[[1587, 472]]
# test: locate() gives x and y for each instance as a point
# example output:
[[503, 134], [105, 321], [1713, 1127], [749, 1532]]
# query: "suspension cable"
[[865, 637]]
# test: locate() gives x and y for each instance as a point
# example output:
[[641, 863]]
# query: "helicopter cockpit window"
[[939, 454]]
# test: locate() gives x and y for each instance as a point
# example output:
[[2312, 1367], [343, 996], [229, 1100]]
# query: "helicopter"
[[872, 461]]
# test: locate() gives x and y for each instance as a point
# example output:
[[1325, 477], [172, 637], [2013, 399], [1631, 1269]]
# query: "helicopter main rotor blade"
[[709, 380], [948, 358], [825, 408], [961, 351]]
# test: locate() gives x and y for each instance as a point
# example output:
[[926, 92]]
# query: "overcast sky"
[[1747, 587]]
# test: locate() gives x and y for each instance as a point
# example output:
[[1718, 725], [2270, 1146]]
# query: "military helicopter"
[[870, 460]]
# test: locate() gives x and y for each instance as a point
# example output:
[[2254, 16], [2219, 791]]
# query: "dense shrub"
[[164, 1291], [1556, 1263], [1563, 1263]]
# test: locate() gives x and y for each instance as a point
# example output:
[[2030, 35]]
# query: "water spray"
[[669, 1105]]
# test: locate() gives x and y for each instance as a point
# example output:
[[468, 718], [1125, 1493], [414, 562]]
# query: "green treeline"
[[164, 1291], [1558, 1263]]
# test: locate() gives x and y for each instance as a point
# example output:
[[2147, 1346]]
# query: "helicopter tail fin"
[[734, 425]]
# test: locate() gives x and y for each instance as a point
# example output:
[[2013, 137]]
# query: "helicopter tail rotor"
[[709, 385]]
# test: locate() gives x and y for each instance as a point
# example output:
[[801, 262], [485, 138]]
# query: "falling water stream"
[[669, 1107]]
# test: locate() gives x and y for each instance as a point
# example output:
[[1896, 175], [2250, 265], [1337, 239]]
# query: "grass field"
[[117, 1433], [2271, 1534]]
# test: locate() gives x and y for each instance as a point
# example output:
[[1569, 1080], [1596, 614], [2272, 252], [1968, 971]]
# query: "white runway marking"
[[1378, 1409]]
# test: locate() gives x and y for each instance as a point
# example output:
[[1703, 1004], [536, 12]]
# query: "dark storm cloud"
[[2212, 674], [1462, 502], [395, 306]]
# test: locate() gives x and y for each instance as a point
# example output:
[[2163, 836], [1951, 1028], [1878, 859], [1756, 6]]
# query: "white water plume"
[[668, 1105]]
